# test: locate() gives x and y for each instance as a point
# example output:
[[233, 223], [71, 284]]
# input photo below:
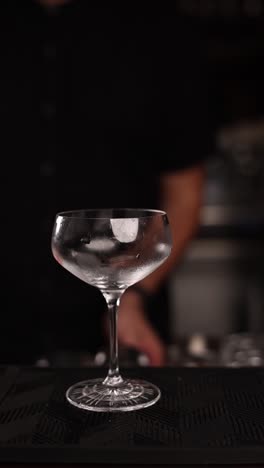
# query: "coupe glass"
[[111, 249]]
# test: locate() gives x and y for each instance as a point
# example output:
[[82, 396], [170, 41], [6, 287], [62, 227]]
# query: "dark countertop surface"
[[205, 416]]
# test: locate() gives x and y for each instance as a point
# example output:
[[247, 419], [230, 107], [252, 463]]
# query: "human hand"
[[135, 331]]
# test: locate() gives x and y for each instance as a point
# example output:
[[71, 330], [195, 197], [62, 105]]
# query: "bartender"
[[100, 107]]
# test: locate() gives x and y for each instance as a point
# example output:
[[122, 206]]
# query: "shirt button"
[[48, 110], [47, 169], [49, 51]]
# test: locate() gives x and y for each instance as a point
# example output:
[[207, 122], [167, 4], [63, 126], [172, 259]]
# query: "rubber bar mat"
[[212, 416]]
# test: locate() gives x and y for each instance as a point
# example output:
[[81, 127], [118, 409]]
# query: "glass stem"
[[113, 378]]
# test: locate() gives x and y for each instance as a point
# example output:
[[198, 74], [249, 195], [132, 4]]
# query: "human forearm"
[[181, 198]]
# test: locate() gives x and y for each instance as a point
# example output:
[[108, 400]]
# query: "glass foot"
[[130, 395]]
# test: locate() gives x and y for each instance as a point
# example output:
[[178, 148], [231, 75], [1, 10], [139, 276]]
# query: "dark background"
[[228, 37]]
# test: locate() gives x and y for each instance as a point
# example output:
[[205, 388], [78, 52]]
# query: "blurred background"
[[219, 288], [216, 294], [223, 268]]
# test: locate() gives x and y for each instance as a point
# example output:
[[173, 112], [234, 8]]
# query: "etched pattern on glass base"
[[94, 395]]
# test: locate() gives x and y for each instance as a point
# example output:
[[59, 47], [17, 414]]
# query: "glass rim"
[[83, 213]]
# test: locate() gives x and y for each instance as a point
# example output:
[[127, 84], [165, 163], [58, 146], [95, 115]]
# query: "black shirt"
[[95, 103]]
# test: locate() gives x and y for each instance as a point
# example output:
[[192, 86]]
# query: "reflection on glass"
[[111, 250]]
